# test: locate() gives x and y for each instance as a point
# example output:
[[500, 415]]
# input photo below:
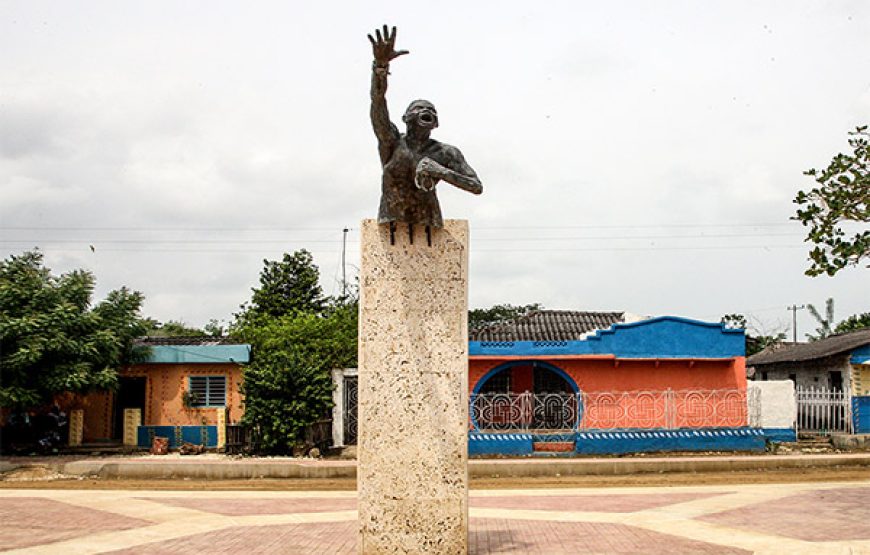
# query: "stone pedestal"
[[413, 390]]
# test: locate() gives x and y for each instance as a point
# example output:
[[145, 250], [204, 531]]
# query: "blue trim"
[[661, 337], [198, 435], [532, 363], [199, 354], [861, 355]]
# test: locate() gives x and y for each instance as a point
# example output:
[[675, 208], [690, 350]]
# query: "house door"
[[130, 395]]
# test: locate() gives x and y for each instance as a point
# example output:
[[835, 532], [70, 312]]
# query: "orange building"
[[607, 382], [181, 390]]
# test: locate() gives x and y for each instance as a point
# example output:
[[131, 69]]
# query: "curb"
[[207, 471], [619, 467], [488, 468]]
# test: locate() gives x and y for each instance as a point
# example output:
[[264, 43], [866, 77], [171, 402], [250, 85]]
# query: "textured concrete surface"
[[225, 468], [412, 473], [769, 519]]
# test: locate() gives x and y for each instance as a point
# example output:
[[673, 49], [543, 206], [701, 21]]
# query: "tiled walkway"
[[782, 518]]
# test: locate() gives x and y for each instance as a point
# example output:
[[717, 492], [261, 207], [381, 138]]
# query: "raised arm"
[[383, 48]]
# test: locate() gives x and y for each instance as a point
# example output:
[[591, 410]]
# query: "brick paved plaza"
[[780, 518]]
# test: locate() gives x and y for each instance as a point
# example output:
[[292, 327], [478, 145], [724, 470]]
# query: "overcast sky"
[[637, 156]]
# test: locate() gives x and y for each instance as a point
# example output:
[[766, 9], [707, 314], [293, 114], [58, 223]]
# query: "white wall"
[[773, 403]]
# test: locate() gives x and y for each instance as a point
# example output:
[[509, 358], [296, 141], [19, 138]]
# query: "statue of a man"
[[413, 162]]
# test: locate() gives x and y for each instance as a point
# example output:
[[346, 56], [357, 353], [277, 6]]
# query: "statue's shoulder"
[[444, 149]]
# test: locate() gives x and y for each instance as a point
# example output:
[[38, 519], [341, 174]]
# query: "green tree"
[[734, 321], [825, 323], [480, 317], [854, 323], [287, 286], [838, 207], [297, 337], [52, 340], [288, 386]]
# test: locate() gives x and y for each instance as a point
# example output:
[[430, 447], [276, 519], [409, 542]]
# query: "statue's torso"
[[401, 200]]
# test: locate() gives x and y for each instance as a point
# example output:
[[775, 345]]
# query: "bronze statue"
[[413, 162]]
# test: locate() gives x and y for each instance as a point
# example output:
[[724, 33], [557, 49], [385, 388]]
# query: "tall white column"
[[413, 390]]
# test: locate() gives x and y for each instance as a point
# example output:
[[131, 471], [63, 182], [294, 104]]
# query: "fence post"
[[132, 421], [221, 428], [76, 427]]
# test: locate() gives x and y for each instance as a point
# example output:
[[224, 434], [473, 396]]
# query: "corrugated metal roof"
[[548, 325], [152, 341], [834, 345]]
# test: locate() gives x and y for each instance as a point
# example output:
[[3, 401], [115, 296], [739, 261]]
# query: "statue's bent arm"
[[460, 174], [455, 170]]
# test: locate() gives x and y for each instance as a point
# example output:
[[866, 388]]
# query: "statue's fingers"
[[400, 53], [386, 33], [378, 34], [371, 39], [393, 36]]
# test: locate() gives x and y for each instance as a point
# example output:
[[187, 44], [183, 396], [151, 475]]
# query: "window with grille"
[[499, 383], [208, 391]]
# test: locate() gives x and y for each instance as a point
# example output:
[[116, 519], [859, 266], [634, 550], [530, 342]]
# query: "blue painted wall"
[[663, 337], [861, 415], [499, 444], [648, 441], [619, 442], [198, 435], [780, 435]]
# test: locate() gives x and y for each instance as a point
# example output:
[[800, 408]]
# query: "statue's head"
[[421, 113]]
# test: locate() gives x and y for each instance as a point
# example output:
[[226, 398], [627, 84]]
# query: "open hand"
[[384, 45]]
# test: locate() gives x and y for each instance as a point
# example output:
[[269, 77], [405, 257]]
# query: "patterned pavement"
[[779, 518]]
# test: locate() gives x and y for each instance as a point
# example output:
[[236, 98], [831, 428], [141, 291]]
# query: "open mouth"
[[427, 118]]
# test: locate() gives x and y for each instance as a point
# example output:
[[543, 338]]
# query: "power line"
[[344, 239], [330, 229]]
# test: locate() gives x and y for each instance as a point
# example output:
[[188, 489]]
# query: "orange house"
[[184, 382], [607, 382]]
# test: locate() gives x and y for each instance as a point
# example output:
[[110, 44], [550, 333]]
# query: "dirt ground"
[[39, 477]]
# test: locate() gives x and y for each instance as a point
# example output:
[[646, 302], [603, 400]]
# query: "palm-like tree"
[[825, 324]]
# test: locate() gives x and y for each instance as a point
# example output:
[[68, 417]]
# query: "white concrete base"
[[413, 390]]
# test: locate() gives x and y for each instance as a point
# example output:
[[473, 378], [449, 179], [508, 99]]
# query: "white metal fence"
[[823, 411], [610, 410]]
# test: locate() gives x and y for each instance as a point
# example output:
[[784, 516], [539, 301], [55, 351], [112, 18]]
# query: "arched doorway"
[[526, 395]]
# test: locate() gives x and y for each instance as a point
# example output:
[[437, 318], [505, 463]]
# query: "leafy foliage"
[[287, 286], [842, 197], [854, 323], [288, 385], [756, 340], [734, 321], [825, 324], [480, 317], [53, 340], [297, 338]]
